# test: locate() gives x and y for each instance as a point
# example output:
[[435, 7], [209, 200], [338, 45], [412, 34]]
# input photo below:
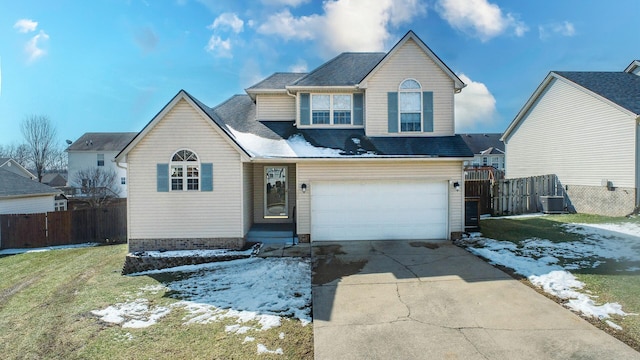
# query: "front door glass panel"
[[276, 201]]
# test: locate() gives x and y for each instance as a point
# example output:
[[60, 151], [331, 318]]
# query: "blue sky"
[[111, 65]]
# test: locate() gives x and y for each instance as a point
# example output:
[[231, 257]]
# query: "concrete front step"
[[269, 234], [273, 239]]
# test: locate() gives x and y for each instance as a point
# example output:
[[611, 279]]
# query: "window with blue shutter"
[[392, 111], [162, 175], [305, 109], [207, 177], [358, 109]]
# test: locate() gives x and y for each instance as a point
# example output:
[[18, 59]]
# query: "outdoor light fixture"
[[304, 188], [456, 185]]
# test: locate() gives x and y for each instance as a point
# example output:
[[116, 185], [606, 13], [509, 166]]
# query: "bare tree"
[[98, 185], [40, 136], [58, 161], [17, 152]]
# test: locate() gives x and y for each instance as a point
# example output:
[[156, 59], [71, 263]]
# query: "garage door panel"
[[370, 210]]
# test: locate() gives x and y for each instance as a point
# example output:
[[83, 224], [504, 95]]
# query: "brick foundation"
[[599, 200], [136, 245]]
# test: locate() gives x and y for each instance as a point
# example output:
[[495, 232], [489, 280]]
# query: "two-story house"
[[488, 150], [362, 147], [97, 150]]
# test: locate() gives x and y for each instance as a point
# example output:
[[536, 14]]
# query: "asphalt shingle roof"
[[238, 112], [278, 80], [481, 142], [112, 141], [15, 185], [619, 87], [346, 69]]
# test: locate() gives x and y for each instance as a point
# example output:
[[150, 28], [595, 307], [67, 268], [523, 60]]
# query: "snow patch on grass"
[[263, 350], [547, 264], [134, 314]]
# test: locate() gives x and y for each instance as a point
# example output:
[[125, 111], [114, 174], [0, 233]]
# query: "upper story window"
[[185, 171], [330, 109], [410, 105], [100, 159]]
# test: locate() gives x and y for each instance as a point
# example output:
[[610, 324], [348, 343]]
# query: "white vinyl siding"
[[27, 205], [247, 198], [79, 160], [432, 171], [275, 107], [259, 189], [409, 62], [184, 214], [575, 135]]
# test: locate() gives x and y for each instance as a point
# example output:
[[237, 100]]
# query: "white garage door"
[[378, 210]]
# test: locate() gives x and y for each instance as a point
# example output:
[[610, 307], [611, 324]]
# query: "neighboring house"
[[14, 167], [362, 147], [583, 127], [488, 150], [98, 150], [55, 180], [21, 195]]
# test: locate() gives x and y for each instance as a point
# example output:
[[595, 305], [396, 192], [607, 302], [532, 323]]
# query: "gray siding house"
[[583, 127]]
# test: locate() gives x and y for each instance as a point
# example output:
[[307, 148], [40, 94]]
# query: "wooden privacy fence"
[[102, 225], [522, 195]]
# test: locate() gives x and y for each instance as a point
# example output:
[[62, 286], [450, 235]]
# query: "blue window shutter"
[[305, 109], [162, 174], [427, 111], [358, 111], [392, 110], [206, 177]]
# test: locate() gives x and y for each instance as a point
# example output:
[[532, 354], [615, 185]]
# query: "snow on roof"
[[294, 146]]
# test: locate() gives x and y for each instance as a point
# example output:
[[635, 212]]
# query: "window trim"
[[419, 91], [184, 165]]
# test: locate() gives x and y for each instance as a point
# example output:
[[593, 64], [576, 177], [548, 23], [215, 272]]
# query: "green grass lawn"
[[607, 282], [46, 301]]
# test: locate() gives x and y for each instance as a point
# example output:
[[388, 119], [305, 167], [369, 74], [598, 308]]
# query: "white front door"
[[379, 210]]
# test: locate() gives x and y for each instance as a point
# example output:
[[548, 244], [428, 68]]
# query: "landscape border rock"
[[143, 261]]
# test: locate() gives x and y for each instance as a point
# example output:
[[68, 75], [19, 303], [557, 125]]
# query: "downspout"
[[637, 165]]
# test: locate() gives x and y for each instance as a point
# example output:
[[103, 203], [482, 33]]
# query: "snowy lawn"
[[75, 304], [591, 263]]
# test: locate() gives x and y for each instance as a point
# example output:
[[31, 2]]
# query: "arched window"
[[410, 105], [185, 171]]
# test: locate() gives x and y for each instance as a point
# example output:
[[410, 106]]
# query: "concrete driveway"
[[433, 300]]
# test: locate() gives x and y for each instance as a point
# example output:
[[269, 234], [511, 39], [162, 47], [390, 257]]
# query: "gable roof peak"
[[410, 35]]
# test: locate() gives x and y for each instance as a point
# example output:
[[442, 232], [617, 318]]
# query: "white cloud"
[[219, 47], [339, 27], [564, 28], [25, 25], [33, 47], [479, 18], [292, 3], [228, 21], [288, 27], [299, 67], [475, 106]]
